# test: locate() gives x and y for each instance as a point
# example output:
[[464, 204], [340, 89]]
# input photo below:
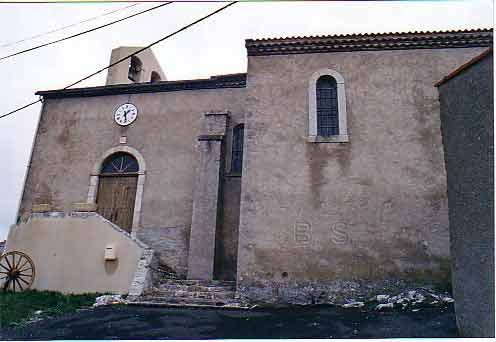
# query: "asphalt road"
[[132, 322]]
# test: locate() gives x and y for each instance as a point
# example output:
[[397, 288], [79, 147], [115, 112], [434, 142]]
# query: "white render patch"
[[142, 278]]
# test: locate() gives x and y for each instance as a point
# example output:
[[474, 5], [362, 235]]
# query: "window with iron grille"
[[237, 149], [327, 106]]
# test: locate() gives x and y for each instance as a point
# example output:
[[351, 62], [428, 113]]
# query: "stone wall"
[[467, 116], [172, 244], [371, 210], [74, 133]]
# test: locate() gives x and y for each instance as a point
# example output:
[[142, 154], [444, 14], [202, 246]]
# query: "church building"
[[318, 173]]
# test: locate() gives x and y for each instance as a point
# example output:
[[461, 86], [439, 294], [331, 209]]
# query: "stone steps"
[[198, 282], [185, 300], [195, 288], [191, 293], [194, 294]]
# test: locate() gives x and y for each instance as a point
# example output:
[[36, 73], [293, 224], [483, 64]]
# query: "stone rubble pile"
[[411, 299], [108, 300]]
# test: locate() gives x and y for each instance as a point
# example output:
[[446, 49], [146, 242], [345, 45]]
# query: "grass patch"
[[17, 308]]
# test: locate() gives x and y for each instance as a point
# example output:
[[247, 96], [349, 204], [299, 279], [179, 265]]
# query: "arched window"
[[135, 68], [237, 149], [155, 77], [327, 107], [119, 163]]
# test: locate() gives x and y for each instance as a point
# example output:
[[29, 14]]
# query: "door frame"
[[116, 177], [95, 176]]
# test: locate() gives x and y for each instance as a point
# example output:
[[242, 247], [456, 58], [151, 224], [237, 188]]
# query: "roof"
[[370, 42], [298, 45], [464, 66], [214, 82]]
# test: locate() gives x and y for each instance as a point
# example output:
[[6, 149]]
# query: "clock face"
[[126, 114]]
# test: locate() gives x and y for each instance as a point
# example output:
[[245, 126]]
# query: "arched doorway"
[[117, 189]]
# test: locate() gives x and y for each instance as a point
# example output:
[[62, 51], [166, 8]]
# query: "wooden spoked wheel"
[[16, 271]]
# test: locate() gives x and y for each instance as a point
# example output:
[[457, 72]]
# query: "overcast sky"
[[215, 46]]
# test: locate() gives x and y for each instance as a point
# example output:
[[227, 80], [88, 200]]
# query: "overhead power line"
[[84, 32], [65, 27], [130, 55]]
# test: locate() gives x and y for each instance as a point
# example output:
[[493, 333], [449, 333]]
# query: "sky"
[[215, 46]]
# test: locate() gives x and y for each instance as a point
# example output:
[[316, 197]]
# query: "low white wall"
[[68, 252]]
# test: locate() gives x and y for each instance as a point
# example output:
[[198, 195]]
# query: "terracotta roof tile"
[[370, 41]]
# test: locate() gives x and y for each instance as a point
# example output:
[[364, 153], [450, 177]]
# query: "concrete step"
[[197, 282], [196, 288], [193, 294], [183, 301], [229, 306]]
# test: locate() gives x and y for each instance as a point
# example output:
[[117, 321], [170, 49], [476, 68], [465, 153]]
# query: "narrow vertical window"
[[327, 106], [237, 149]]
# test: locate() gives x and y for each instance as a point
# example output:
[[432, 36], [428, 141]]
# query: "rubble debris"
[[381, 298], [353, 305], [108, 300], [412, 298], [385, 306]]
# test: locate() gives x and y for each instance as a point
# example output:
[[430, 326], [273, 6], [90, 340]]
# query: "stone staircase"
[[191, 293]]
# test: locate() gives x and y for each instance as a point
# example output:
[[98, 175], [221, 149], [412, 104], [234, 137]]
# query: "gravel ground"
[[137, 322]]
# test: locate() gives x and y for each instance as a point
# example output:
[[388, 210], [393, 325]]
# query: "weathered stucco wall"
[[467, 117], [373, 210], [68, 253], [74, 133]]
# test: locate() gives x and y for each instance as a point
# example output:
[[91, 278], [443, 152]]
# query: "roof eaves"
[[214, 82], [369, 41], [464, 67]]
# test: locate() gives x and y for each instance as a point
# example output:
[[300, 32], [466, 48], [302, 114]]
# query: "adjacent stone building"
[[319, 172], [467, 122]]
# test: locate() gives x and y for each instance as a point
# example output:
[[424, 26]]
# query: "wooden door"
[[116, 196]]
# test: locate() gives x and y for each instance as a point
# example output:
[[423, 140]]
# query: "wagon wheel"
[[16, 271]]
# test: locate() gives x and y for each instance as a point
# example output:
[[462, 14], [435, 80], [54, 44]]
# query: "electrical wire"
[[84, 32], [130, 55], [65, 27]]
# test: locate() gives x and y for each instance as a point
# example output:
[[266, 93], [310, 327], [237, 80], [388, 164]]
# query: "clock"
[[126, 114]]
